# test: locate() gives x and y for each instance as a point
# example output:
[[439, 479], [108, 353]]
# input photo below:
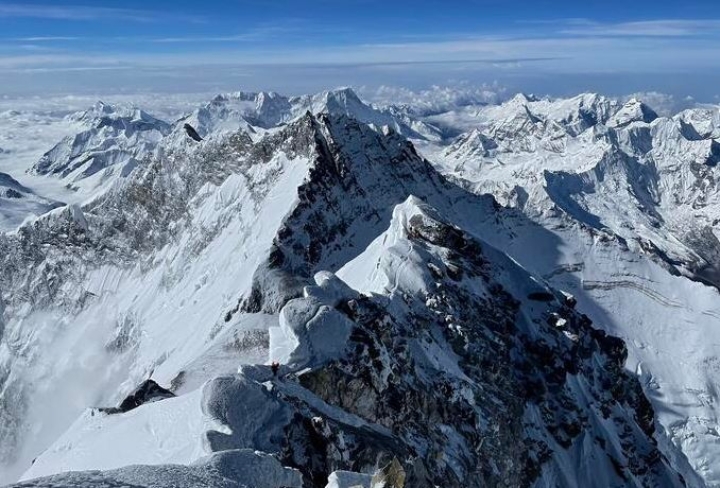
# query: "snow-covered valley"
[[440, 285]]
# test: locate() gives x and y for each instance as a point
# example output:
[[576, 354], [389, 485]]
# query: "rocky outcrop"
[[148, 391], [469, 383]]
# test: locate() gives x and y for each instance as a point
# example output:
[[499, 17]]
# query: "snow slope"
[[229, 469], [17, 202]]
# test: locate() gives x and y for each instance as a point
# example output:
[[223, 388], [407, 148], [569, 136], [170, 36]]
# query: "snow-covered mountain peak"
[[633, 111], [221, 116], [705, 120], [582, 112], [113, 142], [115, 139], [471, 145], [102, 112], [525, 124], [345, 101], [99, 109], [522, 99], [261, 109], [341, 100], [272, 109], [268, 110], [242, 96]]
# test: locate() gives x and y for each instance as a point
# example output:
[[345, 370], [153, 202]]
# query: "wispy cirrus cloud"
[[288, 30], [69, 69], [571, 53], [85, 13], [650, 50], [644, 28], [255, 34], [285, 31], [191, 39], [45, 38]]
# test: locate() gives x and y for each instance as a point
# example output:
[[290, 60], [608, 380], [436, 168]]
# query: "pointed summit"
[[341, 101], [633, 111]]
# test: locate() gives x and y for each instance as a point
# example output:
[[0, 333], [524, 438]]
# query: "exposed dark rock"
[[148, 391], [504, 363], [541, 296], [192, 133]]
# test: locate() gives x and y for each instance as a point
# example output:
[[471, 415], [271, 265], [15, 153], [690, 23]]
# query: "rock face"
[[392, 475], [463, 339], [148, 391], [192, 133], [410, 344]]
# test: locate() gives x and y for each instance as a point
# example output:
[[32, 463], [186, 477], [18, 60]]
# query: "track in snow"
[[612, 285], [565, 269]]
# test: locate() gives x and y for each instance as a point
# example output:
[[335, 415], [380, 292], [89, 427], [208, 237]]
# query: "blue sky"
[[555, 47]]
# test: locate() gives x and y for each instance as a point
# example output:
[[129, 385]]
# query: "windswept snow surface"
[[165, 429], [134, 252], [242, 468]]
